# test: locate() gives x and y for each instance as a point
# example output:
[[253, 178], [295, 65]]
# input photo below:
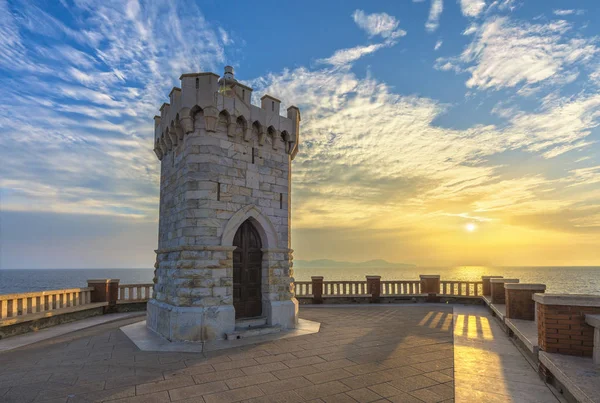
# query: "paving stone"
[[322, 390], [160, 397], [339, 398], [283, 385], [247, 362], [438, 377], [218, 375], [280, 397], [303, 361], [326, 376], [275, 358], [427, 396], [103, 395], [197, 390], [385, 390], [295, 372], [412, 383], [406, 398], [250, 380], [235, 395], [259, 369], [158, 386], [363, 395]]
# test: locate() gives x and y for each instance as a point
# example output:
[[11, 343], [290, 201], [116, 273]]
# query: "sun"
[[470, 227]]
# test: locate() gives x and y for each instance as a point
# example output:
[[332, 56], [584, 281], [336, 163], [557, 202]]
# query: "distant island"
[[336, 264]]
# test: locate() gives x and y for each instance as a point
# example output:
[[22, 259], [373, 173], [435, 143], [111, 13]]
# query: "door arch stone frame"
[[262, 224]]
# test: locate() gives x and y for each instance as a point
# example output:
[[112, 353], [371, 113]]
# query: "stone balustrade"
[[13, 306], [135, 292], [374, 289]]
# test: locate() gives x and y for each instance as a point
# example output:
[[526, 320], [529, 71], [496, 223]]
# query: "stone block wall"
[[562, 329]]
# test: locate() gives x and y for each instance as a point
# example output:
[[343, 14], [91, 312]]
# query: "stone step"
[[241, 324], [252, 332]]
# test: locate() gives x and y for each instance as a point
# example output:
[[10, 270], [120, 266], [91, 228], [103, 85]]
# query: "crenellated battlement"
[[207, 103]]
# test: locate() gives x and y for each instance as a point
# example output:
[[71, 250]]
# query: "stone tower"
[[224, 229]]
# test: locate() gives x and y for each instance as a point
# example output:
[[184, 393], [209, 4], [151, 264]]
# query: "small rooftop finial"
[[227, 82]]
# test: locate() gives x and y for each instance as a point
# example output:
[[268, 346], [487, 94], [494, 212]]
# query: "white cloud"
[[78, 115], [438, 45], [472, 8], [564, 12], [435, 12], [381, 24], [507, 54], [364, 145], [346, 56]]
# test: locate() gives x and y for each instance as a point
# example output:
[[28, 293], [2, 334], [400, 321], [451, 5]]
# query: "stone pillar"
[[105, 290], [317, 289], [374, 287], [498, 295], [430, 285], [519, 300], [486, 284], [562, 326]]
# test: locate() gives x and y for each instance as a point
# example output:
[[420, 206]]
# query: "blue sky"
[[418, 118]]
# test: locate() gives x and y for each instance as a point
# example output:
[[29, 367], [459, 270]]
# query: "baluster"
[[18, 307], [15, 307], [34, 304], [139, 293], [130, 293], [468, 289]]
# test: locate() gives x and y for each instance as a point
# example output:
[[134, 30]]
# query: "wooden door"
[[247, 269]]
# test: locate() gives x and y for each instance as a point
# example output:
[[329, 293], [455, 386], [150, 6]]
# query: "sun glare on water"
[[470, 227]]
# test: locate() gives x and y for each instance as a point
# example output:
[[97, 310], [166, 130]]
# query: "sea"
[[573, 280]]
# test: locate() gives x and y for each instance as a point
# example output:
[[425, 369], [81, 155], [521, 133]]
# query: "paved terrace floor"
[[373, 353]]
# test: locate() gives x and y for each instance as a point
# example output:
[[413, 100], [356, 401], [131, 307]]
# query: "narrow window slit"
[[280, 200], [253, 155], [197, 83], [219, 191]]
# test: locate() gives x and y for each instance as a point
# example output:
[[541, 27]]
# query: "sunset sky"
[[434, 132]]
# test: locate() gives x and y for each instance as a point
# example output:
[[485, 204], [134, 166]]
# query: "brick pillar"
[[561, 323], [374, 287], [430, 285], [486, 284], [317, 289], [497, 293], [105, 290], [519, 300]]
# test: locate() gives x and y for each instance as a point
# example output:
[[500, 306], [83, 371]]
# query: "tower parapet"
[[201, 94], [225, 218]]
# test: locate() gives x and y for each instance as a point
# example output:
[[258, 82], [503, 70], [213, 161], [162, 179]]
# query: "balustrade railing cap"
[[525, 286], [316, 277], [486, 277], [104, 280], [568, 299], [504, 280], [429, 276]]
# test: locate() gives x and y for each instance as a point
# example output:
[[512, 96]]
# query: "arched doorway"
[[247, 270]]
